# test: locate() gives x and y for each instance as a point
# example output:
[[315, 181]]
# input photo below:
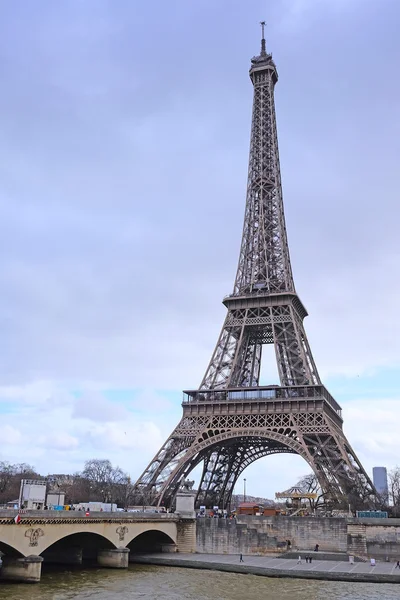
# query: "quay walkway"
[[277, 567]]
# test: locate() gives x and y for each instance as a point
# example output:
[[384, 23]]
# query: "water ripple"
[[170, 583]]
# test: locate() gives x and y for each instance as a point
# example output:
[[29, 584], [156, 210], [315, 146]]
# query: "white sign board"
[[34, 492]]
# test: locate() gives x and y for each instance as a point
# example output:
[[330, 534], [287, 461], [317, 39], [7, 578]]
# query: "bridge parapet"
[[50, 517]]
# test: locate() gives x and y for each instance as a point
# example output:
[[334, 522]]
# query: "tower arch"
[[225, 455]]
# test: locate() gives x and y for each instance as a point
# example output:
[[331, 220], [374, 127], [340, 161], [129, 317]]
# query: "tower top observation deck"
[[264, 59]]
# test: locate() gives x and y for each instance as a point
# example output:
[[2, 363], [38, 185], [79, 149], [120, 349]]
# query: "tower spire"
[[263, 49]]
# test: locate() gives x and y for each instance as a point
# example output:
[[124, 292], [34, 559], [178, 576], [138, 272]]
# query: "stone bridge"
[[70, 537]]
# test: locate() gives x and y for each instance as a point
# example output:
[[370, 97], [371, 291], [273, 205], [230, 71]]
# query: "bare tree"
[[10, 479], [394, 490], [125, 493], [99, 481], [309, 484], [105, 481], [77, 489], [6, 475]]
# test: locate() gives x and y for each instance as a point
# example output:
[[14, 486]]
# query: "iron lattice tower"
[[231, 420]]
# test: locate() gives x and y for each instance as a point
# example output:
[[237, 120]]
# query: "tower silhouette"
[[231, 421]]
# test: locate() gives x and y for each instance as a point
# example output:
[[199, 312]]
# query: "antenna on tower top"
[[263, 50]]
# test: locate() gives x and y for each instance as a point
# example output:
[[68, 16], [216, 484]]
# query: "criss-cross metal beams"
[[217, 429], [248, 325], [264, 307], [264, 262], [227, 443], [225, 462]]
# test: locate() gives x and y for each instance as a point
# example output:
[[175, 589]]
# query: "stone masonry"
[[378, 538]]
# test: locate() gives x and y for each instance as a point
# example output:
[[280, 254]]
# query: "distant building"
[[32, 494], [60, 479], [249, 508], [379, 475], [55, 498]]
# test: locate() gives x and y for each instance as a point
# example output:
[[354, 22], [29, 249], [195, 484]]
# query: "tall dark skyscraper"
[[379, 475]]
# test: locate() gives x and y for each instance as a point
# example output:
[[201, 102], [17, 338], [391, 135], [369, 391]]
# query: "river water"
[[172, 583]]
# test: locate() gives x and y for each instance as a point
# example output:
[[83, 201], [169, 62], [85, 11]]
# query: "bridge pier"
[[25, 570], [186, 527], [117, 558]]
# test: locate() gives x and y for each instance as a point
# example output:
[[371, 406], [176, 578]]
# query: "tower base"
[[227, 430]]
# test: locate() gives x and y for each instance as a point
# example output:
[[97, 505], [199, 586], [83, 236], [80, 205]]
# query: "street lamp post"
[[244, 489]]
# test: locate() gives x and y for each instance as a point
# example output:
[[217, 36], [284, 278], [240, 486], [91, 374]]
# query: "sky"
[[124, 137]]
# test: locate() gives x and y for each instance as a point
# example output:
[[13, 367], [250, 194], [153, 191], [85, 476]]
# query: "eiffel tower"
[[231, 421]]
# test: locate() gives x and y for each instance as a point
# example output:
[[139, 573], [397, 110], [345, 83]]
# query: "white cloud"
[[353, 325], [149, 400], [95, 407], [34, 392], [60, 433], [372, 426], [137, 436], [58, 440], [9, 435]]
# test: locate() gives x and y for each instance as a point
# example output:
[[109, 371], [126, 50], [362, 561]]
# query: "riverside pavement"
[[278, 567]]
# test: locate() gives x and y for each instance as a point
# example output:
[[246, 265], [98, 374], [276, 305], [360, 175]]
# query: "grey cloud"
[[94, 407], [123, 176]]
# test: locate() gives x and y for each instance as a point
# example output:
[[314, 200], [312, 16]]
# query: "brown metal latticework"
[[231, 421]]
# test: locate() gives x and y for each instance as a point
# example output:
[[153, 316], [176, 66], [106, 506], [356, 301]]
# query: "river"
[[171, 583]]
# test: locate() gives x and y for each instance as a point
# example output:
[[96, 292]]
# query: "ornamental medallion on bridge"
[[34, 535], [232, 420], [122, 531]]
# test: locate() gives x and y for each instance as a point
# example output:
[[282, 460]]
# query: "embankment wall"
[[378, 538]]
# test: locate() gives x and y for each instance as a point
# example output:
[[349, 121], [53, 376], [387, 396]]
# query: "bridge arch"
[[9, 551], [144, 531], [152, 541], [89, 542], [55, 534]]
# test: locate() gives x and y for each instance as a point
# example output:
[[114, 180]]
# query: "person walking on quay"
[[316, 548], [299, 560], [397, 565], [241, 558], [307, 558]]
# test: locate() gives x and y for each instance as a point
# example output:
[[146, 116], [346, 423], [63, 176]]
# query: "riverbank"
[[277, 567]]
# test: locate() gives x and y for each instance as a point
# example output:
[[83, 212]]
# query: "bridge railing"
[[79, 514]]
